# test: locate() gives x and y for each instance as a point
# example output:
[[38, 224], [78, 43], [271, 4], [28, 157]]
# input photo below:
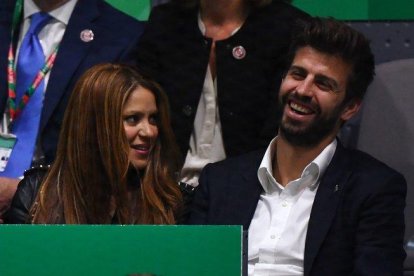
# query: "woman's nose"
[[147, 130]]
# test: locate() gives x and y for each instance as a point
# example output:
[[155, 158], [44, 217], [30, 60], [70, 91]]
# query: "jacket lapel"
[[325, 205], [71, 53], [244, 191]]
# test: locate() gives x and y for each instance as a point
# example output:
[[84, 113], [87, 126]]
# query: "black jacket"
[[25, 196], [28, 188], [356, 225]]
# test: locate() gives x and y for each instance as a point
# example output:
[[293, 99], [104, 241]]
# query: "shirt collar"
[[61, 14], [265, 169], [324, 158], [311, 174]]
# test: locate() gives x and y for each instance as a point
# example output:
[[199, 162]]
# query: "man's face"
[[312, 98]]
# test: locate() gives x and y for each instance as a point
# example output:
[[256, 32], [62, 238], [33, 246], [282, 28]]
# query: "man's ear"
[[350, 109]]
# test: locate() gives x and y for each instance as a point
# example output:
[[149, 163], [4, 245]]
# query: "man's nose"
[[305, 87]]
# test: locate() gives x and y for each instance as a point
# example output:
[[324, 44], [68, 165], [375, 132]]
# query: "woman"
[[220, 63], [115, 160]]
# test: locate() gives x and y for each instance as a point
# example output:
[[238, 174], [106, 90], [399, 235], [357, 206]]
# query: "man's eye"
[[324, 86]]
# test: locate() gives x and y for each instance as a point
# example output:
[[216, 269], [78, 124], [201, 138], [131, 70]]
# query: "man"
[[312, 207], [88, 32]]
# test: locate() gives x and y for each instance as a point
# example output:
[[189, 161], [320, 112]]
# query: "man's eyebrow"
[[296, 67]]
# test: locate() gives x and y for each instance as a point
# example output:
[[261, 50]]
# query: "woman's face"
[[140, 115]]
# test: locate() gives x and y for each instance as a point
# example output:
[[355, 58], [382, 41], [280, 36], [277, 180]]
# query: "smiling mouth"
[[141, 148], [300, 109]]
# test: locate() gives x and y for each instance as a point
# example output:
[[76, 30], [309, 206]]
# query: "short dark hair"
[[334, 37]]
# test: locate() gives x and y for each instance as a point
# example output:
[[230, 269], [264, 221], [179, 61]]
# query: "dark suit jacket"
[[115, 35], [356, 226], [175, 53]]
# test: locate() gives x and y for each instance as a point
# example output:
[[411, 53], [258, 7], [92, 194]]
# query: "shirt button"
[[272, 237], [187, 110], [284, 204]]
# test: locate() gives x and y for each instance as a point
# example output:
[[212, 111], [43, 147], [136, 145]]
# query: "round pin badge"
[[239, 52], [86, 35]]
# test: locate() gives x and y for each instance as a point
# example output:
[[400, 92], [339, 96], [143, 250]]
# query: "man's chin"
[[301, 136]]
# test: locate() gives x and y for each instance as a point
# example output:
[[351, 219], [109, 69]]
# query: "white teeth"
[[300, 108]]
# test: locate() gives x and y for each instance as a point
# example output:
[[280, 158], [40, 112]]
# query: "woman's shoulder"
[[171, 11], [36, 172], [25, 195], [278, 11]]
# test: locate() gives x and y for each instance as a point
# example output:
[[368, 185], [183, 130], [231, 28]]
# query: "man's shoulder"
[[109, 24], [363, 163], [110, 17], [107, 9]]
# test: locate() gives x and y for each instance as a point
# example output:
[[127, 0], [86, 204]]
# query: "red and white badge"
[[86, 35], [239, 52]]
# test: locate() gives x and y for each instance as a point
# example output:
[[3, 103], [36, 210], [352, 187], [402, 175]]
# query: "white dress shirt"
[[277, 233]]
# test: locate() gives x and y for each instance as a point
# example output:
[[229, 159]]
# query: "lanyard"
[[15, 108]]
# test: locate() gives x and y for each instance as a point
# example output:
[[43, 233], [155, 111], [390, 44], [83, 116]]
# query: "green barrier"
[[359, 9], [139, 9], [120, 250], [340, 9]]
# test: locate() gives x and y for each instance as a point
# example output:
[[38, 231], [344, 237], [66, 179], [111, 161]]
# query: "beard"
[[311, 135]]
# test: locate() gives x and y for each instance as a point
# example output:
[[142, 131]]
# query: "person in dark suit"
[[311, 206], [219, 63], [91, 32]]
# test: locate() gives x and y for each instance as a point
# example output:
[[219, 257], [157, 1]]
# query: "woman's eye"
[[131, 120], [153, 120], [296, 75]]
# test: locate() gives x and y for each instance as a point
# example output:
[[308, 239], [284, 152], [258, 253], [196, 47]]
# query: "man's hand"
[[8, 187]]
